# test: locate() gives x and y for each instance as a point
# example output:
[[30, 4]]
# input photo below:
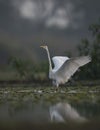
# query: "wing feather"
[[58, 61], [71, 66]]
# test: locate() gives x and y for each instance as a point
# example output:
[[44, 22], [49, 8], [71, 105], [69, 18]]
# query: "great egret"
[[64, 67]]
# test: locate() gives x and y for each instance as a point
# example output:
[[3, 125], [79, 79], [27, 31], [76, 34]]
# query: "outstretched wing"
[[71, 66], [58, 62]]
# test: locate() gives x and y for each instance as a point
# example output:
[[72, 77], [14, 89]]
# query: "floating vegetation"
[[49, 94]]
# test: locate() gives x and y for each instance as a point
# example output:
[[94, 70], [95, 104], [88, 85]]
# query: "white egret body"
[[64, 67]]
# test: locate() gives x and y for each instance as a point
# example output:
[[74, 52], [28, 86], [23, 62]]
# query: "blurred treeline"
[[91, 47], [27, 70]]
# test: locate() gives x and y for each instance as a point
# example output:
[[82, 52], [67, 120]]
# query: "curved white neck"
[[50, 65]]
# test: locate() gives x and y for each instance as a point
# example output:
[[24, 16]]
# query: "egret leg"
[[57, 87]]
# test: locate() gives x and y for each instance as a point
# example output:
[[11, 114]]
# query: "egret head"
[[45, 47]]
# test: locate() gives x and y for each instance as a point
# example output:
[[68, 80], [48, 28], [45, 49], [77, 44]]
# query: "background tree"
[[26, 70], [92, 48], [95, 52], [23, 68]]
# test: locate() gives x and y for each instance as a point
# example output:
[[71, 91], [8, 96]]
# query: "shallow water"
[[44, 112], [46, 105]]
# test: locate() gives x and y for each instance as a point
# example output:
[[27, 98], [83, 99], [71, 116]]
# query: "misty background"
[[60, 24]]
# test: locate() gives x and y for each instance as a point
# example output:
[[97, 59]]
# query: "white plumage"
[[58, 62], [64, 67]]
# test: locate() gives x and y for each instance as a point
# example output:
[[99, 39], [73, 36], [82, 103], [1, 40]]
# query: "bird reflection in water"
[[64, 112], [60, 112]]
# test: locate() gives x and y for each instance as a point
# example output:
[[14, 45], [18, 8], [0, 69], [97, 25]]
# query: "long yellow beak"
[[43, 46]]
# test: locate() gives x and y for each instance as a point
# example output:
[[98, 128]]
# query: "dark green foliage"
[[23, 68], [84, 47], [42, 67], [92, 48], [26, 70]]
